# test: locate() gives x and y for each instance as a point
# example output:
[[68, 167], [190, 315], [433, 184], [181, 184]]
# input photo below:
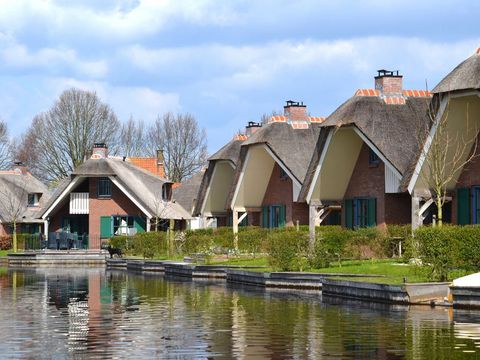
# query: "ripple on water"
[[111, 314]]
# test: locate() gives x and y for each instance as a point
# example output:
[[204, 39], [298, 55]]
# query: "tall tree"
[[59, 140], [132, 139], [13, 204], [5, 153], [183, 142], [445, 152]]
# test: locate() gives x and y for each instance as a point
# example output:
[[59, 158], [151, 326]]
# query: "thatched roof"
[[391, 128], [230, 151], [293, 147], [14, 190], [142, 184], [187, 193], [464, 77]]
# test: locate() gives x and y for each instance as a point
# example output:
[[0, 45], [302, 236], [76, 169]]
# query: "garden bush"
[[147, 245], [288, 250], [449, 247]]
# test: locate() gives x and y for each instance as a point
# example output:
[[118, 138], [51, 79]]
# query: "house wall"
[[118, 204], [398, 208], [368, 181], [470, 176], [280, 192]]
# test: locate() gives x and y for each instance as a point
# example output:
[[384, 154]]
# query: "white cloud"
[[122, 19], [140, 102], [18, 56], [244, 67]]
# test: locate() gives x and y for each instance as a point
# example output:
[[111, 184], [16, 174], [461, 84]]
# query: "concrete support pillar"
[[417, 220], [45, 229], [148, 224]]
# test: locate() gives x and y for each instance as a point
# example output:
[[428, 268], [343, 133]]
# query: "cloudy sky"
[[226, 62]]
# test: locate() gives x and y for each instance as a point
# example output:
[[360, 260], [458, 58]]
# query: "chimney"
[[251, 128], [389, 82], [296, 111], [20, 168], [99, 151], [160, 163]]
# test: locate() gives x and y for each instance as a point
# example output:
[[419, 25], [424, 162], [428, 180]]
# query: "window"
[[283, 174], [167, 192], [104, 188], [274, 216], [476, 204], [373, 159], [121, 224], [360, 212], [33, 199]]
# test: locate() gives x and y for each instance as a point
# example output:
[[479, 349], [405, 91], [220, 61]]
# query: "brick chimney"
[[295, 111], [389, 82], [251, 128], [20, 168], [160, 163], [99, 151]]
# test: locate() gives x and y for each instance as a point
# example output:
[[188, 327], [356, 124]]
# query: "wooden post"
[[235, 229], [171, 236]]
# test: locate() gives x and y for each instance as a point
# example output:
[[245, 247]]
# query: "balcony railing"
[[67, 241], [79, 203]]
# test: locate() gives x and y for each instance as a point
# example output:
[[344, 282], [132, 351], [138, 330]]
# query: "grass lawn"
[[393, 272], [4, 252]]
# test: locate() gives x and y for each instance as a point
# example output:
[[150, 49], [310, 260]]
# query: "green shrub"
[[148, 244], [288, 250], [439, 248], [253, 240]]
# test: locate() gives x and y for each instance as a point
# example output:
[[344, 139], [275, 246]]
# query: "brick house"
[[108, 196], [365, 150], [22, 197], [211, 202], [272, 165], [457, 102]]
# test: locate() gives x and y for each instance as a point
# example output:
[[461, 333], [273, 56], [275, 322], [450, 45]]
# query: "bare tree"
[[59, 140], [132, 139], [183, 142], [13, 204], [448, 152], [5, 153]]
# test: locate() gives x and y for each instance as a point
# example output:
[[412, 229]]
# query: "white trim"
[[61, 197], [244, 215], [426, 146], [379, 154], [240, 179], [319, 166], [130, 196], [296, 184], [207, 193]]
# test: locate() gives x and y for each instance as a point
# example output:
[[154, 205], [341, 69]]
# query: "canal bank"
[[330, 284]]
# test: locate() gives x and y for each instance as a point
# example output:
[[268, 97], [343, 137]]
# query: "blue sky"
[[226, 62]]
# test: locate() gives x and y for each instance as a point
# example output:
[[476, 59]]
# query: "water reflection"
[[58, 313]]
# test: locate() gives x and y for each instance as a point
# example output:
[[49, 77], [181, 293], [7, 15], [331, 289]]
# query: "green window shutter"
[[283, 216], [105, 227], [372, 212], [349, 213], [139, 223], [265, 216], [463, 206]]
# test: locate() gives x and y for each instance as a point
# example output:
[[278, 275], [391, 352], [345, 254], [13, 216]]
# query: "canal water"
[[96, 313]]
